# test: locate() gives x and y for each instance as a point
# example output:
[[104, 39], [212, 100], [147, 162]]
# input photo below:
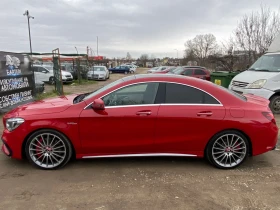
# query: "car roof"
[[194, 67]]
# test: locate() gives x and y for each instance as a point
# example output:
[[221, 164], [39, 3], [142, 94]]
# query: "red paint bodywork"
[[168, 129]]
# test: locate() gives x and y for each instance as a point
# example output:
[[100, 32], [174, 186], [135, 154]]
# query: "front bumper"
[[97, 77], [265, 93], [6, 149]]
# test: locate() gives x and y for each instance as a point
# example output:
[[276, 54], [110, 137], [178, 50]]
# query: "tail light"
[[269, 116]]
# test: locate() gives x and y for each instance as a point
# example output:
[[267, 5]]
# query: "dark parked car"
[[119, 69]]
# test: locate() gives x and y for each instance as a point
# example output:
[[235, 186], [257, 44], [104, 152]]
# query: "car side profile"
[[46, 74], [148, 115], [197, 72], [120, 69]]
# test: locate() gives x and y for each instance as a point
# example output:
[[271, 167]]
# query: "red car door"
[[187, 119], [126, 126]]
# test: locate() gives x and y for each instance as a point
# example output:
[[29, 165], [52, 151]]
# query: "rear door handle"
[[144, 113], [207, 113]]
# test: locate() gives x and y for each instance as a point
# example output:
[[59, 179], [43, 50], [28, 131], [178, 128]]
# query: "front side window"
[[144, 93], [182, 94]]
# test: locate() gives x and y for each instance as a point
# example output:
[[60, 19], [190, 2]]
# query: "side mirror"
[[98, 104]]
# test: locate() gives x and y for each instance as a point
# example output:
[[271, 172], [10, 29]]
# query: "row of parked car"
[[192, 71], [45, 74]]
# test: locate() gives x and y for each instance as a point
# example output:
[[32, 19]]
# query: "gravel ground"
[[141, 183]]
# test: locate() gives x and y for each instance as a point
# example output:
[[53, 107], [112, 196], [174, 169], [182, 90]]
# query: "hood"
[[46, 106], [252, 76], [64, 73], [96, 72]]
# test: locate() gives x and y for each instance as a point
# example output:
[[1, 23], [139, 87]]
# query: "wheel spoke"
[[37, 146], [54, 148], [239, 148], [236, 155], [55, 151], [226, 159], [228, 141], [52, 141], [238, 145], [224, 142], [220, 144], [47, 161], [55, 158], [235, 141], [57, 142], [219, 156], [43, 160], [219, 148], [230, 160], [234, 158], [43, 140], [51, 159], [39, 142], [57, 155], [239, 152], [218, 152], [231, 141], [223, 158], [48, 139]]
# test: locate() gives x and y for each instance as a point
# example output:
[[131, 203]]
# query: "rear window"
[[237, 95]]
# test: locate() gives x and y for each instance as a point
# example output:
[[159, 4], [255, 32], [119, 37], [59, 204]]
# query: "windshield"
[[98, 69], [268, 62], [96, 92], [48, 67]]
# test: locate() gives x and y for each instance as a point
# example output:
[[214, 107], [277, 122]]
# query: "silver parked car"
[[98, 73]]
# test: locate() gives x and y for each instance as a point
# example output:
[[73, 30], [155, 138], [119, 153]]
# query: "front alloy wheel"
[[227, 150], [48, 149]]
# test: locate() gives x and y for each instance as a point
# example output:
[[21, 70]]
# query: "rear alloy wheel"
[[51, 80], [227, 150], [275, 104], [48, 149], [125, 72]]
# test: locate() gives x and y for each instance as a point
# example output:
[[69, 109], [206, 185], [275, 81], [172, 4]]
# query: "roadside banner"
[[17, 83]]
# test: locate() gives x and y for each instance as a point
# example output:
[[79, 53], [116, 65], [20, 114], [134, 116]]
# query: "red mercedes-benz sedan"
[[143, 115]]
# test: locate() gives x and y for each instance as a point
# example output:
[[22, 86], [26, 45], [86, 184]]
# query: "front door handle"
[[144, 113], [206, 113]]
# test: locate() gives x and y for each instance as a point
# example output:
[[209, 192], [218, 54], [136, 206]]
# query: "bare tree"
[[128, 56], [256, 31], [144, 58], [201, 46]]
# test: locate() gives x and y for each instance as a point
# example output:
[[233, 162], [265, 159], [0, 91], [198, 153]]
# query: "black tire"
[[51, 80], [110, 72], [275, 104], [62, 141], [217, 162]]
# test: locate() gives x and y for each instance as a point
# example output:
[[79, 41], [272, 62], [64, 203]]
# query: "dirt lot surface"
[[140, 183]]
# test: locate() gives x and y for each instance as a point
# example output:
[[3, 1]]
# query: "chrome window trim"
[[168, 104]]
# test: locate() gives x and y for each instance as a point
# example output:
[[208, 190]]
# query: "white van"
[[262, 78]]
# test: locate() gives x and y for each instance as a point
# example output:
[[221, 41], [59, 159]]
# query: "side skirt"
[[142, 155]]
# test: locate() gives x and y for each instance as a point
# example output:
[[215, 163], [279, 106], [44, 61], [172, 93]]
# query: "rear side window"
[[199, 72], [182, 94], [188, 72]]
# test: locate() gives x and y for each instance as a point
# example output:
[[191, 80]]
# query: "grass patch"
[[51, 94], [84, 82]]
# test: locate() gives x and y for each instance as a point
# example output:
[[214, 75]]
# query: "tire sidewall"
[[271, 104], [69, 151], [209, 155]]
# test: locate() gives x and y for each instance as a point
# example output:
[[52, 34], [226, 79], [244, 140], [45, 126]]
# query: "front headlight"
[[258, 84], [13, 123]]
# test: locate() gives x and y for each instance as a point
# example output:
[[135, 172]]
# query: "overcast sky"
[[137, 26]]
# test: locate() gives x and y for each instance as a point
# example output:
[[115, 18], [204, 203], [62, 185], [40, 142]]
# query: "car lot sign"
[[16, 80]]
